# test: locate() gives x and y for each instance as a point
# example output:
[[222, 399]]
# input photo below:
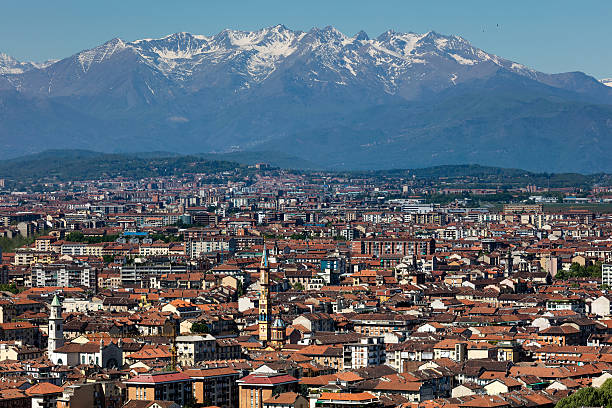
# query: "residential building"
[[215, 385], [369, 351], [164, 386], [262, 384]]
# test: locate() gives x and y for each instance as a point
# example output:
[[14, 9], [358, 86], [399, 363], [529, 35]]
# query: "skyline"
[[569, 37], [394, 204]]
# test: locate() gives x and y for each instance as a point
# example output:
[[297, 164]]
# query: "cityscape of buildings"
[[283, 289]]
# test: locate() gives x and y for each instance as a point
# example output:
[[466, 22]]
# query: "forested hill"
[[77, 165], [74, 165]]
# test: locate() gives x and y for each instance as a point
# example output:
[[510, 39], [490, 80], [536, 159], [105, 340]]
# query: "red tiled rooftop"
[[258, 379], [44, 388], [157, 378], [345, 396]]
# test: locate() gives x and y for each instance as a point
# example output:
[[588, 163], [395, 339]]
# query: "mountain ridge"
[[276, 89], [174, 54]]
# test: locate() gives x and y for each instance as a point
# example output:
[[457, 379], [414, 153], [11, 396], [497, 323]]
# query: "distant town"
[[251, 286]]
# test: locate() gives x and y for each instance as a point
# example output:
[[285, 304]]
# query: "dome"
[[278, 323]]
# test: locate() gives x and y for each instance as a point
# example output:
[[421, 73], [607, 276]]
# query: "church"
[[72, 354]]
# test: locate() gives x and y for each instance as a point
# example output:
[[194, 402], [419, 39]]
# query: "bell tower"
[[508, 264], [265, 306], [56, 326]]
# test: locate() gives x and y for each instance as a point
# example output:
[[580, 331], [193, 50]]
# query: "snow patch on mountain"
[[463, 60]]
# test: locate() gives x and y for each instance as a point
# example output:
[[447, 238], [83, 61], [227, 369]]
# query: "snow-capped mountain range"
[[392, 60], [275, 89]]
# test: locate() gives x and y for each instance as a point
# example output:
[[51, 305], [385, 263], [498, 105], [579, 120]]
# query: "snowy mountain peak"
[[6, 59], [11, 66], [361, 36], [326, 34], [172, 47], [279, 28], [100, 53], [606, 81]]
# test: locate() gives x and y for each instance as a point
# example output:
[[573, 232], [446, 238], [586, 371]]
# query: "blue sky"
[[549, 36]]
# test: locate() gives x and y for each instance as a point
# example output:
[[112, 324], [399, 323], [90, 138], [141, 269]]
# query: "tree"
[[18, 241], [75, 236], [589, 397], [239, 289], [303, 390], [198, 327], [166, 238], [6, 287], [578, 271]]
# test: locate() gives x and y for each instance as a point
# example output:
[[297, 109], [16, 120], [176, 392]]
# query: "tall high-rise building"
[[265, 306]]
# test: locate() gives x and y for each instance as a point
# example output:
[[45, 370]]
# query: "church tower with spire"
[[265, 306], [56, 327]]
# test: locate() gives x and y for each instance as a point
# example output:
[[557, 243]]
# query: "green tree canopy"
[[578, 271], [589, 397], [198, 327]]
